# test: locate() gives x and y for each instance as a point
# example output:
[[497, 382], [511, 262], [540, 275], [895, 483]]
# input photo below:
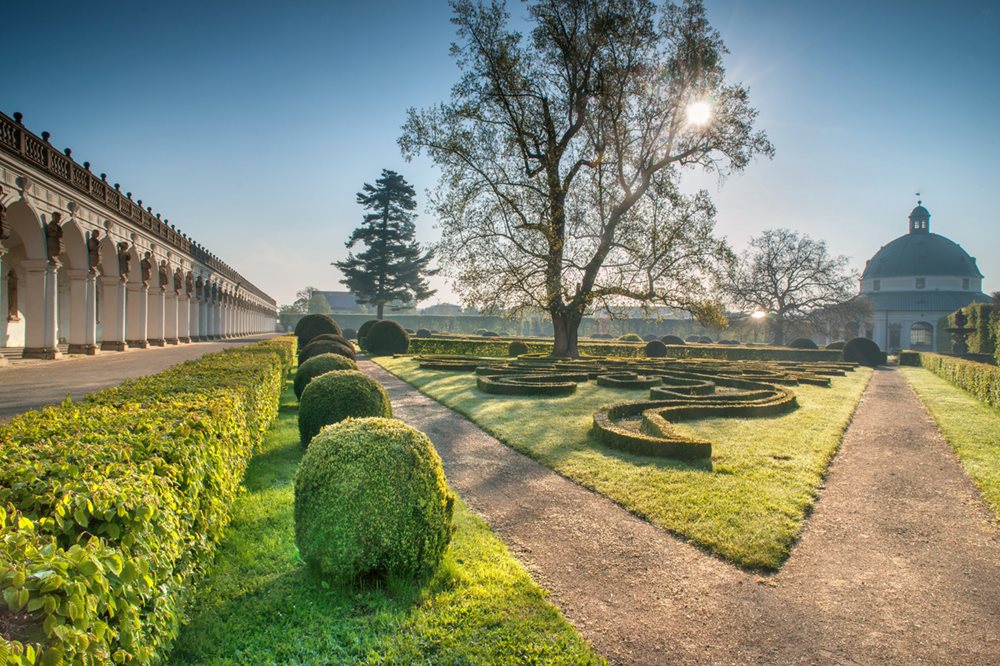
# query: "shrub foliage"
[[387, 337], [320, 365], [335, 396], [113, 506], [371, 501], [980, 379], [313, 325], [862, 351]]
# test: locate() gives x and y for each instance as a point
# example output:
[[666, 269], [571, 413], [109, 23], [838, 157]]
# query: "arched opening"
[[24, 246], [921, 336]]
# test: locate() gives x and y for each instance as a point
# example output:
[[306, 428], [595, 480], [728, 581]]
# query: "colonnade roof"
[[36, 150]]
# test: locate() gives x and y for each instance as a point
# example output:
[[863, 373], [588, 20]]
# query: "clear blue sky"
[[251, 125]]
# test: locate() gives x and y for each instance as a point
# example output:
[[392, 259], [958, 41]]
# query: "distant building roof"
[[341, 301]]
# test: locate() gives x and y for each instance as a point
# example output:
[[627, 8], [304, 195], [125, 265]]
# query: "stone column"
[[82, 312], [3, 295], [202, 319], [137, 317], [196, 320], [113, 319], [183, 318], [156, 316], [40, 309], [170, 335]]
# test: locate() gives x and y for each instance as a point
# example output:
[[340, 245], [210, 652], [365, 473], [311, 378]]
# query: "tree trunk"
[[379, 310], [566, 327], [779, 331]]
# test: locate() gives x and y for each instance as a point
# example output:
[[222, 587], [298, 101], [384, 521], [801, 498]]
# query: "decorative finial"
[[18, 117], [67, 152], [45, 137], [104, 176], [86, 165]]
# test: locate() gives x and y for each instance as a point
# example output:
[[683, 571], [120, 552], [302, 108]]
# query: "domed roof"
[[921, 254], [920, 213]]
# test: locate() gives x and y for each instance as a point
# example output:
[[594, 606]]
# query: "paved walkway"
[[899, 563], [28, 385]]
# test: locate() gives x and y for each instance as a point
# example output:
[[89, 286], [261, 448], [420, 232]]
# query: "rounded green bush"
[[516, 348], [672, 340], [350, 334], [863, 351], [326, 347], [332, 337], [803, 343], [335, 396], [693, 338], [387, 337], [656, 349], [363, 332], [630, 337], [371, 501], [423, 333], [320, 365], [836, 345], [315, 324]]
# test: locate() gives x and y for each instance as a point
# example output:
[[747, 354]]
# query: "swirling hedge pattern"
[[679, 390]]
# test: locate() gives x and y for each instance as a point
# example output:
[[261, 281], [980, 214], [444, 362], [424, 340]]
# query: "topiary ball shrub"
[[656, 349], [729, 342], [602, 336], [350, 334], [671, 340], [315, 324], [803, 343], [839, 344], [630, 337], [363, 332], [423, 333], [326, 347], [371, 501], [332, 337], [517, 348], [649, 338], [490, 334], [387, 337], [334, 396], [320, 365], [704, 339], [863, 351], [693, 338]]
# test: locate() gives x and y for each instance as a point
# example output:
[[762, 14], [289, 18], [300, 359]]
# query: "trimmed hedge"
[[864, 352], [498, 348], [113, 506], [517, 348], [363, 332], [315, 324], [386, 338], [335, 396], [326, 347], [630, 337], [909, 358], [320, 365], [672, 340], [980, 379], [655, 349], [371, 501], [803, 343]]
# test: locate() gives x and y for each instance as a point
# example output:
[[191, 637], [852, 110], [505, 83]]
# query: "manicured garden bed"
[[260, 605], [970, 426], [748, 505]]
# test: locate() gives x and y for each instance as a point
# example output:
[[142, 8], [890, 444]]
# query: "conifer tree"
[[392, 268]]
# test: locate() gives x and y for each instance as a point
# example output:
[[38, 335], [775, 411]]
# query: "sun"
[[699, 113], [758, 314]]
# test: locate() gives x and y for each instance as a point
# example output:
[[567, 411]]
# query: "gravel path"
[[28, 384], [899, 563]]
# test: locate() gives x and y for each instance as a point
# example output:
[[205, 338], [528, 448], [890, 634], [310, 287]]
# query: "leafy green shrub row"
[[320, 365], [498, 348], [113, 506], [980, 379]]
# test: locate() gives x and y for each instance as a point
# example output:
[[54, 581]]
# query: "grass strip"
[[971, 427], [260, 605]]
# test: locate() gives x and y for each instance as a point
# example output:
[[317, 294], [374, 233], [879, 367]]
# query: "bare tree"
[[793, 279], [560, 155]]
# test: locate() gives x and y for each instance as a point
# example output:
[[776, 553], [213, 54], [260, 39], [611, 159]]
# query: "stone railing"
[[17, 140]]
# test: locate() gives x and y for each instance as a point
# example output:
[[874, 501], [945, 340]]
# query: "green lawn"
[[259, 605], [971, 427], [748, 508]]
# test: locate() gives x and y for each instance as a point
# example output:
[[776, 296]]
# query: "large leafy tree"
[[795, 280], [561, 152], [392, 268]]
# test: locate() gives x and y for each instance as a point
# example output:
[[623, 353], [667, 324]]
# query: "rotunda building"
[[914, 281]]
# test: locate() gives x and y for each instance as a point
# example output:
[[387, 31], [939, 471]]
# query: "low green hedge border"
[[980, 379], [113, 506], [499, 348]]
